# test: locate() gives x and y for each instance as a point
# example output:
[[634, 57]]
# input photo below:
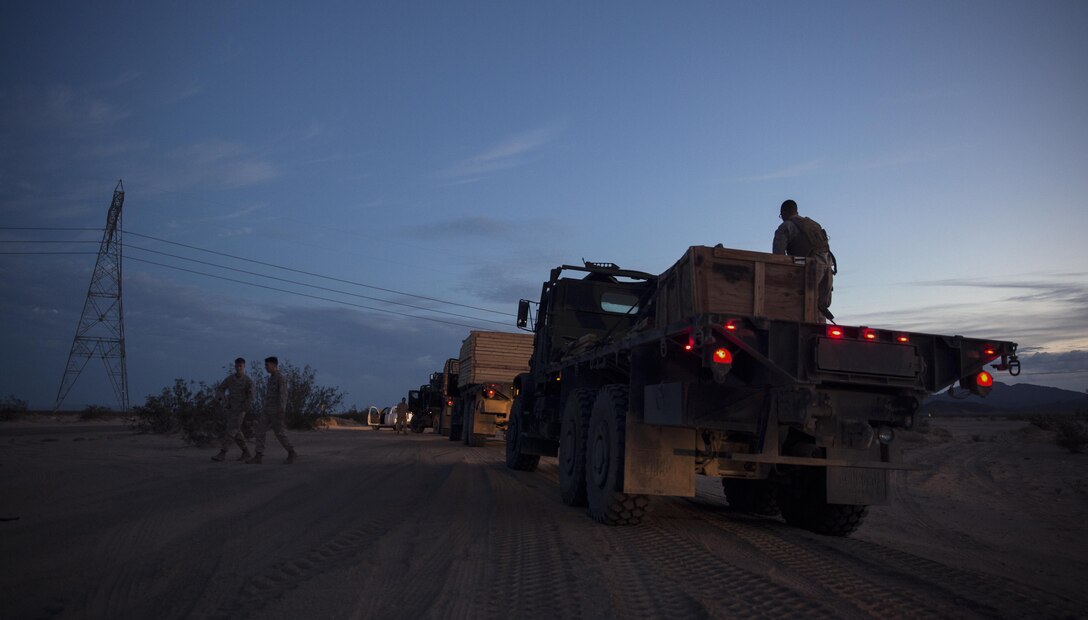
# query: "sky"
[[445, 156]]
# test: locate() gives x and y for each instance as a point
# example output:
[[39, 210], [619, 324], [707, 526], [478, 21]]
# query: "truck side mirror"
[[523, 313]]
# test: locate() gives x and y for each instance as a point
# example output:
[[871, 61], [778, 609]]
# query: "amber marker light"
[[723, 356], [984, 379]]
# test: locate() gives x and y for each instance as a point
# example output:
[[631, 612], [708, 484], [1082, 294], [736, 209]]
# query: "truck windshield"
[[620, 303]]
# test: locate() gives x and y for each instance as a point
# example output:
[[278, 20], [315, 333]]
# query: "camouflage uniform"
[[804, 237], [402, 418], [274, 413], [239, 400]]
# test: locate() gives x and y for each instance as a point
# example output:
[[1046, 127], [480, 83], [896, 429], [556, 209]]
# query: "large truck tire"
[[804, 504], [607, 503], [572, 446], [759, 497], [515, 459], [472, 439]]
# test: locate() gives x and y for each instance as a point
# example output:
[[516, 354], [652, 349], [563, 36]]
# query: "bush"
[[95, 412], [1072, 436], [355, 414], [306, 400], [11, 407], [187, 407], [1046, 422]]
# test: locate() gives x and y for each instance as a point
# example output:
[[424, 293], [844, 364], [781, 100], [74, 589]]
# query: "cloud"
[[59, 106], [218, 164], [1050, 316], [184, 91], [479, 226], [507, 153]]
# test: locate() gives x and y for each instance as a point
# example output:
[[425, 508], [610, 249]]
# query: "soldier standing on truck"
[[240, 392], [804, 237], [274, 412]]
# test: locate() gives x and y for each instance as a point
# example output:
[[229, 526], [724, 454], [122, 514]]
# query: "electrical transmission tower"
[[101, 329]]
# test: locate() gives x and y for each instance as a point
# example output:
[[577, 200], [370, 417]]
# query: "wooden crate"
[[738, 282], [494, 357]]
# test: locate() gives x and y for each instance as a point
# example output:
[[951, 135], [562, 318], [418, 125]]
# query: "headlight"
[[885, 435]]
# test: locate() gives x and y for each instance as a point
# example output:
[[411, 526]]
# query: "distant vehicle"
[[379, 418]]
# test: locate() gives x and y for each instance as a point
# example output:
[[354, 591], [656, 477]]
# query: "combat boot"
[[291, 456], [221, 456], [245, 455], [255, 459]]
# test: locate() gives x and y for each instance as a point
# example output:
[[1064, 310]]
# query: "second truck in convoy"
[[721, 367], [486, 369]]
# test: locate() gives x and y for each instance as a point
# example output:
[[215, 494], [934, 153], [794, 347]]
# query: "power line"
[[49, 241], [314, 286], [41, 253], [51, 228], [274, 266], [317, 275], [280, 290]]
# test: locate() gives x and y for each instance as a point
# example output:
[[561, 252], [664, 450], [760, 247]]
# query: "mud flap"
[[859, 486], [655, 461]]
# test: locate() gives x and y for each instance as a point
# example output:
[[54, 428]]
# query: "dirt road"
[[107, 524]]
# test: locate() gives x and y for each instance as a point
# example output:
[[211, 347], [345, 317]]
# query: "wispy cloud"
[[184, 91], [226, 165], [795, 170], [1044, 314], [508, 153], [57, 106]]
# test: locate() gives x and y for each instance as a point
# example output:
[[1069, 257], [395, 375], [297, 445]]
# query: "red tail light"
[[689, 345], [834, 331], [902, 338], [490, 393], [723, 356], [984, 379], [450, 402], [868, 334], [730, 326], [990, 351]]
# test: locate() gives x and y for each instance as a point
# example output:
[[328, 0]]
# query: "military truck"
[[721, 367], [449, 394], [425, 404], [488, 364]]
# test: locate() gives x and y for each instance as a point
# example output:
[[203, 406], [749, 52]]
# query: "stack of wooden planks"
[[494, 357]]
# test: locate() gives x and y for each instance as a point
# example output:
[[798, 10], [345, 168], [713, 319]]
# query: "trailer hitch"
[[1011, 364]]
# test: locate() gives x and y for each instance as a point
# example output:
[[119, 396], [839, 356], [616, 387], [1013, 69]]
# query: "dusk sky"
[[458, 151]]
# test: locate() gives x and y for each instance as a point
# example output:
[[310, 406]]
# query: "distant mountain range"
[[1015, 398]]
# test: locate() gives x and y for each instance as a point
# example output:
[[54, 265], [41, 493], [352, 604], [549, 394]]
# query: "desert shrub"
[[186, 407], [306, 400], [95, 412], [1046, 422], [11, 407], [1071, 435], [940, 432], [355, 415]]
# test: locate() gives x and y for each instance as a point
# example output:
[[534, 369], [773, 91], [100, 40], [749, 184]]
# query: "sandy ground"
[[102, 523]]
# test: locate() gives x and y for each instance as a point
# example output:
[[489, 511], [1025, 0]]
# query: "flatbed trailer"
[[796, 416]]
